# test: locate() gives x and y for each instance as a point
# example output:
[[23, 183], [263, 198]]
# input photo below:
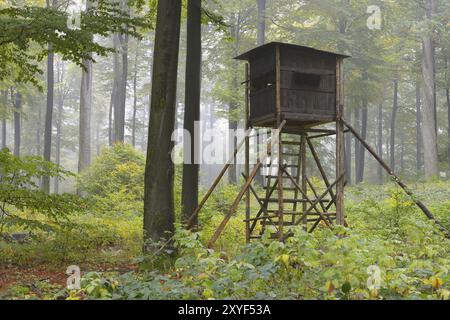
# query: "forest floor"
[[382, 222]]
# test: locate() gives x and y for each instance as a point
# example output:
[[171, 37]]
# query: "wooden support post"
[[280, 142], [247, 151], [313, 204], [304, 182], [191, 220], [397, 179], [319, 166], [340, 164], [243, 191]]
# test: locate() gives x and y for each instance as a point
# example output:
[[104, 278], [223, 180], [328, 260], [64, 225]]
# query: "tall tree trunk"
[[357, 127], [48, 116], [447, 94], [159, 169], [380, 142], [120, 78], [362, 151], [110, 114], [122, 74], [84, 151], [232, 123], [5, 101], [392, 129], [418, 129], [261, 39], [38, 134], [402, 152], [348, 159], [17, 125], [189, 197], [49, 110], [429, 137], [84, 148], [133, 126], [59, 117]]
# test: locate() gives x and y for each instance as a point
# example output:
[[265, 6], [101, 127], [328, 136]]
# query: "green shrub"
[[23, 203], [117, 169]]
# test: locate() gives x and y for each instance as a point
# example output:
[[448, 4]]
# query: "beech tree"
[[159, 214], [192, 106]]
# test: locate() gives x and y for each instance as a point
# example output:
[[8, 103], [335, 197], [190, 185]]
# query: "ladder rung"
[[284, 188], [291, 143], [276, 177], [285, 223], [297, 200], [275, 216], [287, 165]]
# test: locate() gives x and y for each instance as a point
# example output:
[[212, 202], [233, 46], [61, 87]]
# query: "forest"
[[136, 151]]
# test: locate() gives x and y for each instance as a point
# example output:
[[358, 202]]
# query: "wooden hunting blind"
[[296, 90], [303, 79]]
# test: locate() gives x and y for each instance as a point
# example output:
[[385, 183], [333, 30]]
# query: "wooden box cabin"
[[299, 82]]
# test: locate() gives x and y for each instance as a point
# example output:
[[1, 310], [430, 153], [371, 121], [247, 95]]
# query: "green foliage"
[[20, 193], [119, 168], [389, 234], [26, 32]]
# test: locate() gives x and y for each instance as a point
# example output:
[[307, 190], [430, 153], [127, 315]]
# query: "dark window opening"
[[306, 79]]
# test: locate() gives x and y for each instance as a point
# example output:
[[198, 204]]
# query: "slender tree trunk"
[[97, 138], [84, 148], [58, 143], [357, 126], [5, 101], [447, 93], [110, 115], [48, 116], [189, 197], [17, 124], [159, 170], [362, 151], [402, 152], [122, 74], [232, 123], [119, 107], [59, 117], [84, 151], [393, 123], [380, 142], [418, 129], [261, 39], [348, 159], [429, 137], [133, 126], [38, 134]]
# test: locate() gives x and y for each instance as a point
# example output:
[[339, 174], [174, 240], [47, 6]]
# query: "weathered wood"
[[247, 151], [397, 180], [263, 208], [319, 199], [313, 204], [191, 220], [319, 166], [235, 204], [280, 141], [301, 80], [303, 171], [261, 203], [340, 163]]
